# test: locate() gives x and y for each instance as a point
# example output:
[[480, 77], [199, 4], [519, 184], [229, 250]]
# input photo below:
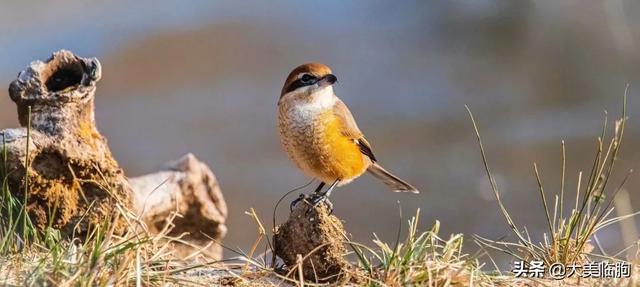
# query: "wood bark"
[[186, 187]]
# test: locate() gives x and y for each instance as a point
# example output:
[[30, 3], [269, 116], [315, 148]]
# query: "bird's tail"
[[395, 183]]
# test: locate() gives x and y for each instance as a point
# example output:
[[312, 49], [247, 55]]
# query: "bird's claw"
[[317, 199], [301, 197], [313, 200]]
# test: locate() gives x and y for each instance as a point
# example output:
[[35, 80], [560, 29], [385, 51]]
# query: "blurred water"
[[205, 78]]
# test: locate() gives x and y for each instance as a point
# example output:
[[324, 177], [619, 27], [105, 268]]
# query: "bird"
[[321, 137]]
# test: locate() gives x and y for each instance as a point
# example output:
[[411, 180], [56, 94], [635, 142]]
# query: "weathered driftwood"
[[319, 238], [74, 181], [186, 187]]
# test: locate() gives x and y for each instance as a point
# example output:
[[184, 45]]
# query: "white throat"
[[320, 99], [304, 110], [324, 98]]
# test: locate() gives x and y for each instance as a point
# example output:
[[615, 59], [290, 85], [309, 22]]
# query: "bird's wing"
[[350, 129]]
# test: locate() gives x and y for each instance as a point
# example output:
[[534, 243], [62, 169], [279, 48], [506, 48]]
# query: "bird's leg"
[[303, 196], [319, 188], [318, 197]]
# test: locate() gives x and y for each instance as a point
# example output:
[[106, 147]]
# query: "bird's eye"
[[306, 78]]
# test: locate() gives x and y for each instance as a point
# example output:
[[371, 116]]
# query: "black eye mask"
[[306, 80]]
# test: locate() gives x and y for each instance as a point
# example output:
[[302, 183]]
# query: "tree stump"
[[69, 165], [73, 180]]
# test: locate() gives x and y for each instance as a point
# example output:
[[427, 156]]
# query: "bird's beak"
[[327, 80]]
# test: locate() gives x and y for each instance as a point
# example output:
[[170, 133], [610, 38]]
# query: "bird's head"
[[305, 80]]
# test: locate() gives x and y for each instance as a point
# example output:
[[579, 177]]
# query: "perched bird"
[[321, 137]]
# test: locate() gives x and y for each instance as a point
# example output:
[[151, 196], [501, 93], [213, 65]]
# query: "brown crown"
[[316, 69]]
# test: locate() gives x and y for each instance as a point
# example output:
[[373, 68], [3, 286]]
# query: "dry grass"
[[571, 237], [423, 259]]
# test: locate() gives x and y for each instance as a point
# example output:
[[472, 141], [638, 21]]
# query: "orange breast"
[[335, 155], [314, 141]]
